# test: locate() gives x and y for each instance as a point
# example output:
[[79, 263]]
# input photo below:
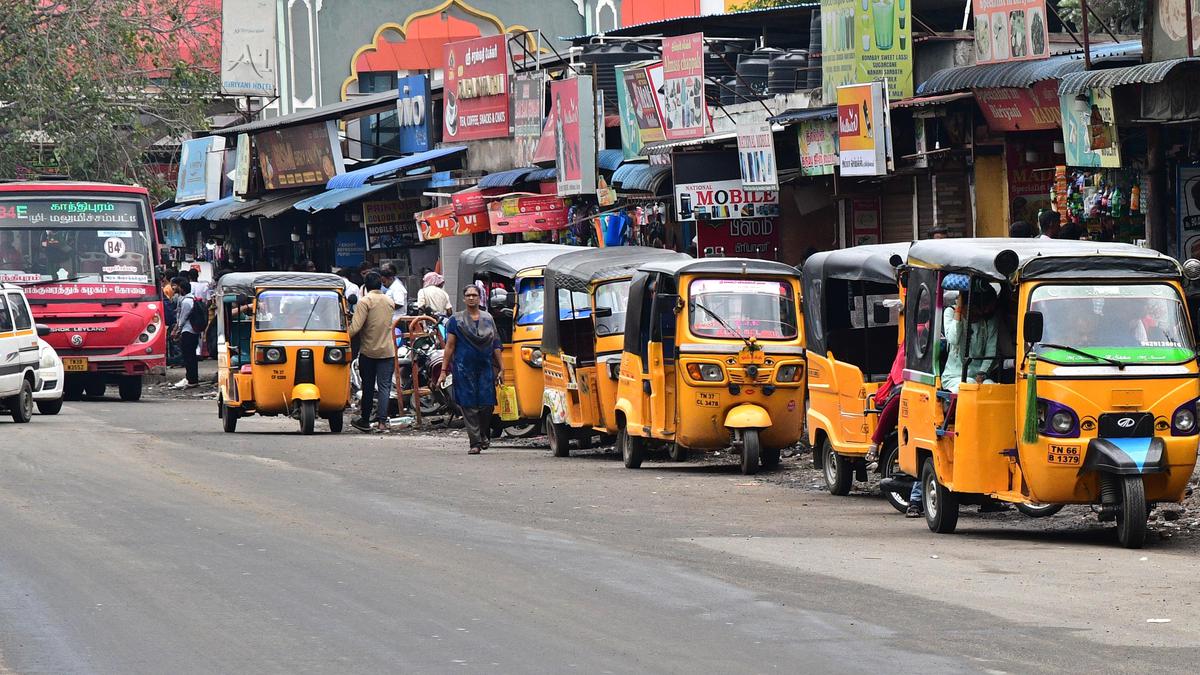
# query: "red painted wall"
[[640, 11]]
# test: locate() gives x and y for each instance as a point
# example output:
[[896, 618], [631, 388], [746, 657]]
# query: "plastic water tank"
[[788, 72]]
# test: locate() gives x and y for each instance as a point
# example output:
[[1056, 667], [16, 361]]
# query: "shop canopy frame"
[[391, 168], [1144, 73], [1023, 74]]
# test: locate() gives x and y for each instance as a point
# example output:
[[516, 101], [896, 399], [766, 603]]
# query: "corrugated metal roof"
[[637, 28], [209, 210], [506, 178], [1025, 73], [922, 101], [331, 199], [797, 115], [1144, 73], [172, 213], [360, 177], [609, 160], [640, 177], [355, 107], [272, 205], [542, 174], [665, 147]]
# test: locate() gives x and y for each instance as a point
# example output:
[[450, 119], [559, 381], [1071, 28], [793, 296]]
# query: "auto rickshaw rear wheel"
[[229, 418], [941, 504], [633, 449], [1131, 524], [839, 474], [677, 452], [336, 422], [559, 436], [308, 416], [889, 467], [770, 458], [751, 451], [1039, 510]]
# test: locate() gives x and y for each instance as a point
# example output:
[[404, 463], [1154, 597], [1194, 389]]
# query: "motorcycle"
[[426, 351]]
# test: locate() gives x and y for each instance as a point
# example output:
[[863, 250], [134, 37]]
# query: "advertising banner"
[[248, 60], [866, 41], [642, 101], [740, 238], [1012, 109], [685, 114], [723, 200], [468, 201], [575, 135], [527, 214], [1090, 130], [818, 147], [1188, 210], [199, 177], [241, 167], [348, 249], [442, 221], [299, 156], [866, 221], [476, 89], [863, 135], [1027, 193], [1169, 29], [390, 223], [529, 108], [1010, 30], [413, 114], [756, 155], [631, 138]]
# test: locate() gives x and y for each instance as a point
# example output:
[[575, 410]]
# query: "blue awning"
[[641, 177], [210, 210], [172, 213], [361, 177], [610, 160], [506, 178], [542, 174], [331, 199]]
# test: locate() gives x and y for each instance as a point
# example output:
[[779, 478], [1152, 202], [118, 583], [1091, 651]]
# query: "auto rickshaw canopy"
[[872, 264], [1001, 259], [678, 267], [506, 260], [247, 283]]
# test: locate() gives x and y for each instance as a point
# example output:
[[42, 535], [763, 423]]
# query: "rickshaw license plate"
[[1063, 454], [756, 357], [75, 364]]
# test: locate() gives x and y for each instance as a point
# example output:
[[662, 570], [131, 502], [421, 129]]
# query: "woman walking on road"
[[473, 352]]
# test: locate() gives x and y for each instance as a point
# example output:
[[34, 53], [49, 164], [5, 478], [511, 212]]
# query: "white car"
[[49, 396]]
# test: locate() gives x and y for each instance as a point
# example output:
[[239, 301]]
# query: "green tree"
[[1124, 17], [765, 4], [90, 87]]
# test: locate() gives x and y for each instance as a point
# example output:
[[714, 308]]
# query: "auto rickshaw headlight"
[[1061, 422], [270, 355], [706, 372], [788, 373], [537, 358], [335, 355], [1183, 422]]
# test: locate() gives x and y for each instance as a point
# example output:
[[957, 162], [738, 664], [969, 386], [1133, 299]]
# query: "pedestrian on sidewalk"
[[372, 324], [432, 298], [473, 352], [187, 331]]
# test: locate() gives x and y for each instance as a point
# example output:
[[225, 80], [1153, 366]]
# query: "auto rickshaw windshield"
[[742, 309], [299, 310], [531, 301], [613, 296], [1143, 323]]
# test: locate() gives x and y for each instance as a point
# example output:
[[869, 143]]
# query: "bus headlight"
[[706, 372]]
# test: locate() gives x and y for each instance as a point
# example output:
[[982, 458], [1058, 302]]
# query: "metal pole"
[[1087, 43], [1188, 9]]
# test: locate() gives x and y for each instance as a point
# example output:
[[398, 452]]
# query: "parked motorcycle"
[[426, 350]]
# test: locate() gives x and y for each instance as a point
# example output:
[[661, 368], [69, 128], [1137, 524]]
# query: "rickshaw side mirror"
[[602, 312], [881, 314], [1033, 326]]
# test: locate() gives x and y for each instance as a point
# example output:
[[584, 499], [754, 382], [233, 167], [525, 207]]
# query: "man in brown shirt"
[[377, 351]]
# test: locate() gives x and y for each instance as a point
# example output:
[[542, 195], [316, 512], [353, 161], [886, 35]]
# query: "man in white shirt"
[[395, 290]]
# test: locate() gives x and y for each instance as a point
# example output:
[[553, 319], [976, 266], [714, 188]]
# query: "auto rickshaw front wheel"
[[559, 436], [839, 474], [633, 449], [308, 416], [751, 451], [889, 467], [677, 453], [229, 418], [1131, 523], [941, 504], [770, 458], [1039, 510]]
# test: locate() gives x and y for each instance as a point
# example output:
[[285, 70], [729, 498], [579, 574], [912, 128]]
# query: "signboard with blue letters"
[[413, 114]]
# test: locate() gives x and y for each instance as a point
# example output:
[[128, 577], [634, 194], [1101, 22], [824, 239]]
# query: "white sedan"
[[49, 395]]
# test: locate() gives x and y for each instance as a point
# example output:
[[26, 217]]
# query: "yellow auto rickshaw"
[[1064, 372], [852, 329], [512, 277], [713, 357], [283, 347], [587, 293]]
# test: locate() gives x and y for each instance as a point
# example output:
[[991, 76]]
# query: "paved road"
[[138, 538]]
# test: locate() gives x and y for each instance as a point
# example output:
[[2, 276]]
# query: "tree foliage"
[[765, 4], [1124, 17], [90, 87]]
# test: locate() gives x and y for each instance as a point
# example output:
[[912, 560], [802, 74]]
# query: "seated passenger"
[[982, 351]]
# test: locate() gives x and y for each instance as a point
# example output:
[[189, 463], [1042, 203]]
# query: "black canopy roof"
[[1001, 259], [872, 263], [506, 259], [246, 283], [721, 266]]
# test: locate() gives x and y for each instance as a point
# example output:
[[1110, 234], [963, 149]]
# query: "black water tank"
[[753, 70], [814, 50], [729, 90], [788, 72]]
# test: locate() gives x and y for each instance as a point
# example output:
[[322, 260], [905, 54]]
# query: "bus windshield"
[[73, 240], [742, 308], [1144, 323]]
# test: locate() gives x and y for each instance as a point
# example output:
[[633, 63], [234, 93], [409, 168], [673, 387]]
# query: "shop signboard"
[[527, 214], [241, 167], [863, 134], [469, 201], [476, 89], [1010, 30], [631, 139], [299, 156], [1027, 182], [685, 114], [724, 200], [738, 238], [1012, 109], [641, 98], [248, 60], [348, 249], [390, 223], [866, 221], [413, 114], [1188, 207], [199, 177], [1090, 130], [575, 135], [756, 155], [818, 147], [442, 221], [867, 41], [529, 108], [1169, 29]]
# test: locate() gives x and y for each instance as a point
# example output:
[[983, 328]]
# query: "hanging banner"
[[1187, 209], [1169, 29], [241, 167], [866, 41], [575, 135], [390, 223], [756, 155], [723, 200], [248, 48], [199, 177], [685, 114], [818, 147], [413, 114], [1010, 30], [642, 100], [299, 156], [631, 139], [862, 130], [529, 106], [1012, 109], [1090, 130], [527, 214], [442, 221], [476, 89]]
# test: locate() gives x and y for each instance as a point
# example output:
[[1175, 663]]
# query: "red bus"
[[85, 254]]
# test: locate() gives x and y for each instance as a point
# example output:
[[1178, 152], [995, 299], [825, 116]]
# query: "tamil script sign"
[[248, 60], [529, 106], [476, 89], [818, 147], [1012, 109]]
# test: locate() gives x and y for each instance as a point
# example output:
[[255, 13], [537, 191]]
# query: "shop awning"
[[1144, 73], [1025, 73], [665, 147], [641, 177], [173, 212], [543, 174], [506, 178], [609, 160], [923, 101], [272, 205], [355, 107], [209, 210], [361, 177], [797, 115], [332, 199]]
